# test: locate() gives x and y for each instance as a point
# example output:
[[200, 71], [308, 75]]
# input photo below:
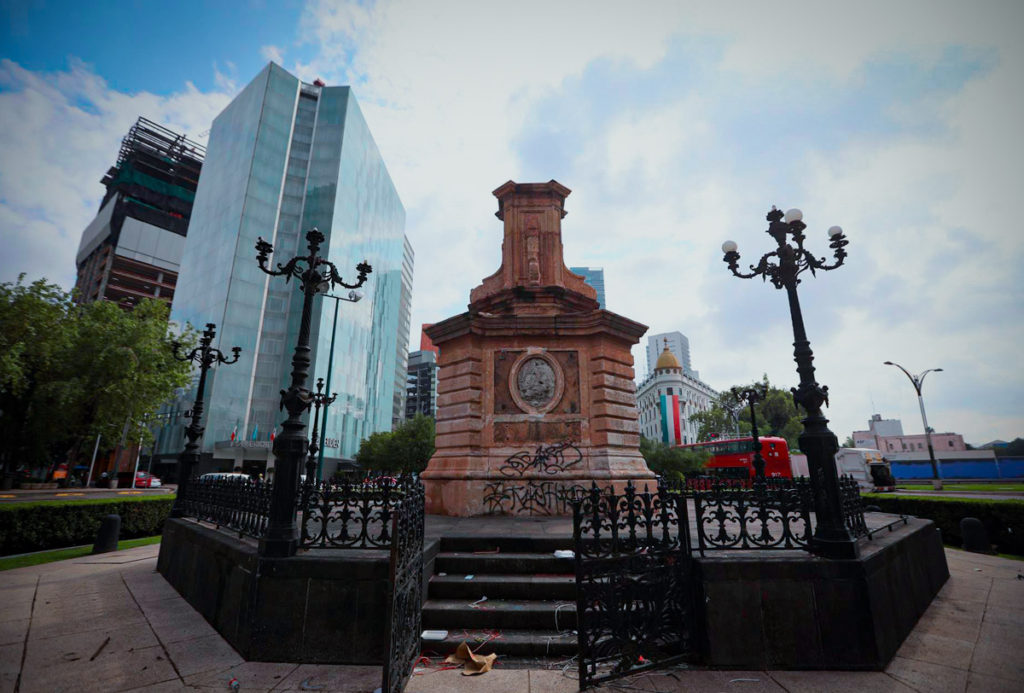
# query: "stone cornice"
[[567, 324]]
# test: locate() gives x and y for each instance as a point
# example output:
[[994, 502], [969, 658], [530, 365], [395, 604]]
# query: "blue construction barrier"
[[1000, 468]]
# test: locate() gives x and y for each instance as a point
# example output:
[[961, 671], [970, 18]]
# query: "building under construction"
[[132, 249]]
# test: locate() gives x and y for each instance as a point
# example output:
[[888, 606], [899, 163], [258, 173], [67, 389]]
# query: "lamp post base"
[[832, 548], [937, 484], [278, 548]]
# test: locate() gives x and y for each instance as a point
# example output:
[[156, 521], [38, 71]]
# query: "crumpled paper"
[[475, 664]]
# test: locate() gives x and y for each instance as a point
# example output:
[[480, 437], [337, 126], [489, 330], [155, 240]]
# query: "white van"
[[868, 467]]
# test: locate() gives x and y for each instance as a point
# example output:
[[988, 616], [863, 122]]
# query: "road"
[[72, 494]]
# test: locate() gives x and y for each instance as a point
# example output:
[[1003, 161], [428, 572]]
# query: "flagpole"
[[95, 449]]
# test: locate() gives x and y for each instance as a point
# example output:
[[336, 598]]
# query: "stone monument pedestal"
[[536, 399]]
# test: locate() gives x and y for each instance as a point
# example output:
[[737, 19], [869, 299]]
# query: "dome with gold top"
[[666, 360]]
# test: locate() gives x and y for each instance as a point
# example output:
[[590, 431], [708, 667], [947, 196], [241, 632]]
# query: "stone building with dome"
[[667, 399]]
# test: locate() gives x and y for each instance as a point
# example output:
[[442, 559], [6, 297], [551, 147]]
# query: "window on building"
[[950, 443], [919, 446], [670, 391]]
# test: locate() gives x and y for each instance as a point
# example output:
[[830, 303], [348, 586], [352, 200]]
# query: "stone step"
[[493, 544], [503, 586], [499, 614], [507, 643], [454, 562]]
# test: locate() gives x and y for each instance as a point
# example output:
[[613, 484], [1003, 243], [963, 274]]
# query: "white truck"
[[868, 467]]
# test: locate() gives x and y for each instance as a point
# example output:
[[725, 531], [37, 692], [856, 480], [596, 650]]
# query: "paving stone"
[[698, 681], [338, 679], [494, 681], [553, 681], [998, 657], [1005, 615], [110, 671], [980, 683], [937, 649], [13, 631], [10, 665], [211, 653], [961, 591], [251, 676], [840, 682], [181, 624], [54, 625], [925, 676]]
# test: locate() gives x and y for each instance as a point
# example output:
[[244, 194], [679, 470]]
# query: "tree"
[[70, 372], [406, 449], [671, 462], [849, 442], [777, 415]]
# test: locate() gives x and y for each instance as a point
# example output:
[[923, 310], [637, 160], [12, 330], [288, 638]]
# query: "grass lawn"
[[64, 554], [954, 486]]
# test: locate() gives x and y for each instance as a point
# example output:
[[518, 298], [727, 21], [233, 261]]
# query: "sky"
[[677, 125]]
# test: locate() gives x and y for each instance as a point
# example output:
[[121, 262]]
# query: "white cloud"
[[59, 133], [272, 53]]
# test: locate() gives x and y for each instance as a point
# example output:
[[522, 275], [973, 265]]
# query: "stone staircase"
[[530, 610]]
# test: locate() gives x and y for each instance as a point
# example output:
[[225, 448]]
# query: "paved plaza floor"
[[111, 623]]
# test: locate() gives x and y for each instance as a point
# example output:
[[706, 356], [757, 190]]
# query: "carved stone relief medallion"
[[536, 382]]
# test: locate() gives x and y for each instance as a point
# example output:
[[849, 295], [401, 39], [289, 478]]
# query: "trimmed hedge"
[[45, 525], [1004, 519]]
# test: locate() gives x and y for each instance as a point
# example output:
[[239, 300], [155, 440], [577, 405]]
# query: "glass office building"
[[594, 276], [282, 158]]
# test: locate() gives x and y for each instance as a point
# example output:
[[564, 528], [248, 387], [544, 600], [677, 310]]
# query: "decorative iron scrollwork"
[[236, 503], [353, 511], [406, 581], [633, 583], [852, 506]]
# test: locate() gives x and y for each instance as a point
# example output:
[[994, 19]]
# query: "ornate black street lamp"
[[918, 382], [320, 399], [753, 395], [317, 275], [831, 537], [206, 356]]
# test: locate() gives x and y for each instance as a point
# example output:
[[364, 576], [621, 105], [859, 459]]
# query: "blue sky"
[[676, 128]]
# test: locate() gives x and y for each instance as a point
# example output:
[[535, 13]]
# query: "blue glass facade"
[[594, 276], [286, 157]]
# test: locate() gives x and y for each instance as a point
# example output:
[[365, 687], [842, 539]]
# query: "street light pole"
[[291, 447], [753, 395], [831, 538], [206, 356], [918, 382], [320, 399], [353, 297]]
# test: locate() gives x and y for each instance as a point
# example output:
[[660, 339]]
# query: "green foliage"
[[777, 416], [64, 554], [1004, 519], [1015, 448], [68, 372], [54, 524], [670, 462], [406, 449]]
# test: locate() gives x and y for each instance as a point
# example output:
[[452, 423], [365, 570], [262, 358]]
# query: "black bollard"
[[975, 536], [106, 538]]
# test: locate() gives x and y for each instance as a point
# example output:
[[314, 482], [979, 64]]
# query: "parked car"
[[225, 475], [142, 480]]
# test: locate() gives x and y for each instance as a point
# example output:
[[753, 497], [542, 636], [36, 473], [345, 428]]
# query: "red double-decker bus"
[[734, 459]]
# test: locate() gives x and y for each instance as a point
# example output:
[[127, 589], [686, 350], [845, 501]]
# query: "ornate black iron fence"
[[852, 506], [634, 595], [765, 516], [237, 503], [353, 511], [406, 604]]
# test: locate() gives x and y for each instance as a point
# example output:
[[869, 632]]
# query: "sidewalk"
[[111, 623]]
